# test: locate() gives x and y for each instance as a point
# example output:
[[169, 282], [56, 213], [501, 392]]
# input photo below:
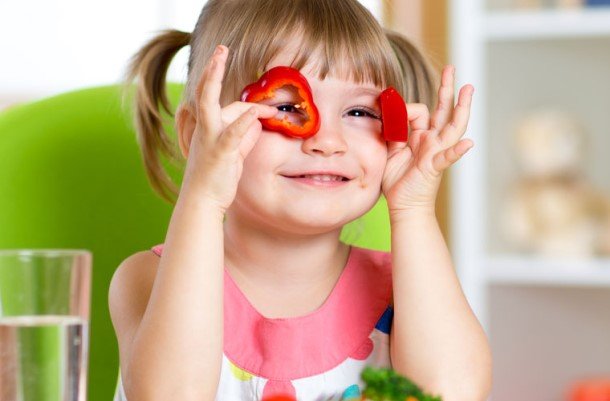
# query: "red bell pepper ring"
[[394, 117], [277, 78]]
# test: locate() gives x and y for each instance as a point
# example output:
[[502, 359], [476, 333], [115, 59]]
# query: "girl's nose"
[[327, 141]]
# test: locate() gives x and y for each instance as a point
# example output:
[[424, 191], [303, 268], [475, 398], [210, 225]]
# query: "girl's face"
[[349, 143]]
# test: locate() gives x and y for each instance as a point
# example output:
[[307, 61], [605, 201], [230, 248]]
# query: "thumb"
[[265, 111], [395, 147], [250, 138], [232, 112]]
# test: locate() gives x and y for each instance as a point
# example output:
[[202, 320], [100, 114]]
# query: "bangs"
[[345, 39]]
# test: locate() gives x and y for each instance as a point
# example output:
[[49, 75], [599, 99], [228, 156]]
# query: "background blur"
[[526, 212], [57, 45]]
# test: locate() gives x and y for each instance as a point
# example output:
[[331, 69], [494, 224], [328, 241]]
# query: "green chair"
[[71, 176]]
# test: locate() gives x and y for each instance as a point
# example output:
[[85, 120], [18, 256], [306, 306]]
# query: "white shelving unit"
[[522, 270], [548, 320], [550, 24]]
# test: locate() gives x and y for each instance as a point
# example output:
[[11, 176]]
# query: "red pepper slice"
[[394, 117], [277, 78]]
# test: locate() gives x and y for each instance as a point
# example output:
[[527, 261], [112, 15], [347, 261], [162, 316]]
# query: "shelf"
[[545, 271], [546, 317], [547, 24]]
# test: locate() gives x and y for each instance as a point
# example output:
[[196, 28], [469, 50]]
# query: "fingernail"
[[218, 50]]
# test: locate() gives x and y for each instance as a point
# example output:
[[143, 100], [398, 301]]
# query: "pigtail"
[[150, 64], [420, 79]]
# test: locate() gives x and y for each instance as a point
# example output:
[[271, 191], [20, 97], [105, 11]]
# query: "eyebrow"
[[364, 91]]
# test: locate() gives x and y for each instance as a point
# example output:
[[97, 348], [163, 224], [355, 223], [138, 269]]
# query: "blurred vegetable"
[[279, 397], [381, 384], [384, 384], [591, 389]]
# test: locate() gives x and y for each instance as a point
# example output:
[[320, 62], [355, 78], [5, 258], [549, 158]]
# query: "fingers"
[[447, 157], [444, 109], [231, 112], [212, 84], [208, 92], [419, 116], [454, 130], [233, 134], [449, 121], [395, 147]]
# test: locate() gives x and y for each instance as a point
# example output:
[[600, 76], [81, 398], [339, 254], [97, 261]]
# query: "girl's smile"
[[320, 180]]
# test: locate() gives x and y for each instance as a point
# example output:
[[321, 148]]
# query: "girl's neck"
[[266, 262]]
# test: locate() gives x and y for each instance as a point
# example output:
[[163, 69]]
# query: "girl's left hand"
[[414, 169]]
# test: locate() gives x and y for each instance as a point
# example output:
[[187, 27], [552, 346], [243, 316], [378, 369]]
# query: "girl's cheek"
[[367, 122], [365, 126]]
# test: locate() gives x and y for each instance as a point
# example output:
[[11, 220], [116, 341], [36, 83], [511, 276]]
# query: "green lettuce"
[[384, 384]]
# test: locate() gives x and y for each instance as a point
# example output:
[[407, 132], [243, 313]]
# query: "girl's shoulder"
[[128, 295]]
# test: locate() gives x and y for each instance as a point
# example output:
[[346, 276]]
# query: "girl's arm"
[[170, 335], [171, 340], [436, 339]]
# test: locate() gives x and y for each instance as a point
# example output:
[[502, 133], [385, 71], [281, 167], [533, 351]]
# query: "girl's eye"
[[288, 108], [363, 112], [359, 112], [292, 114]]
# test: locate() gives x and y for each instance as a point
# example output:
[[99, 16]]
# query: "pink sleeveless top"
[[318, 356]]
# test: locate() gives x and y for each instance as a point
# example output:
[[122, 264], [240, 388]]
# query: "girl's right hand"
[[222, 138]]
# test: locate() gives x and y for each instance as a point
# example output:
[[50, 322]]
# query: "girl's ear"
[[185, 127]]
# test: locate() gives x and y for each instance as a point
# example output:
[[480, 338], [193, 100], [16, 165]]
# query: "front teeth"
[[324, 177]]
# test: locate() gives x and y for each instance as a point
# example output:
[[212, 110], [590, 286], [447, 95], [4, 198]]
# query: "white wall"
[[52, 46]]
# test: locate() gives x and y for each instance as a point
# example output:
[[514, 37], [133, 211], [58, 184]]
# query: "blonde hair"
[[255, 31]]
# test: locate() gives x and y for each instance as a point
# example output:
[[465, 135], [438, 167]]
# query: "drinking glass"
[[44, 324]]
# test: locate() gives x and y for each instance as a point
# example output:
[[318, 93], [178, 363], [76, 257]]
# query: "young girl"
[[252, 293]]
